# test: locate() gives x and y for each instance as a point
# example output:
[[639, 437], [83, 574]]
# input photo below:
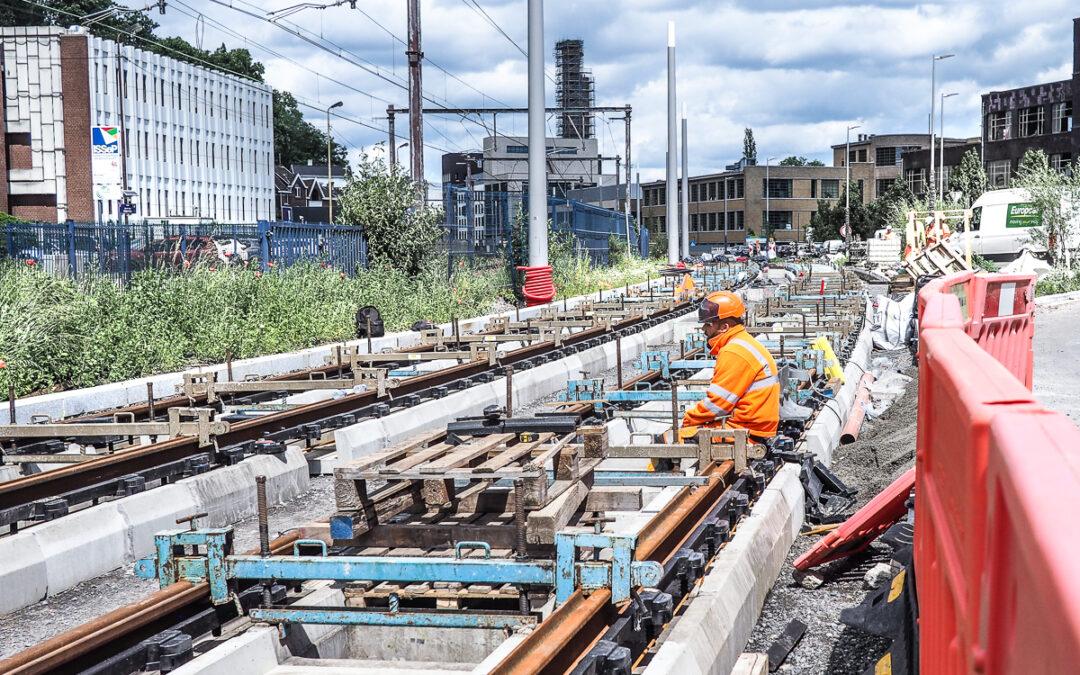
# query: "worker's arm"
[[732, 376]]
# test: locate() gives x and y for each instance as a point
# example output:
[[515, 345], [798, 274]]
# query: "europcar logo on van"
[[1023, 214]]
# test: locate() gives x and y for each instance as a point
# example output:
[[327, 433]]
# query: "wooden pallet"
[[937, 260]]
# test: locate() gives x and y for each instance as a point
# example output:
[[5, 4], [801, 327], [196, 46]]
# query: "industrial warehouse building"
[[197, 144]]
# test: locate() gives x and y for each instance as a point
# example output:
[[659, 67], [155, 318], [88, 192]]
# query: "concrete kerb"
[[824, 434], [117, 394], [56, 555], [723, 610], [373, 435], [1056, 300]]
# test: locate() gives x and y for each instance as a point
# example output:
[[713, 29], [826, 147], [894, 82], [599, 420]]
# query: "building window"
[[1061, 114], [517, 149], [830, 188], [1032, 122], [734, 220], [739, 192], [884, 185], [712, 191], [776, 220], [661, 223], [1062, 162], [777, 188], [885, 156], [693, 222], [694, 192], [997, 173], [1000, 125], [915, 179], [813, 189]]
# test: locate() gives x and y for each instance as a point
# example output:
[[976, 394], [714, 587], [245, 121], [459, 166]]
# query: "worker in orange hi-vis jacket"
[[745, 389]]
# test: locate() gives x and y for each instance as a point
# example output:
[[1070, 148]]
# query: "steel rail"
[[581, 622], [63, 649], [59, 481]]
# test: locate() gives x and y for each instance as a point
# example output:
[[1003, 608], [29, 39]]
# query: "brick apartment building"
[[727, 207], [885, 153], [302, 191], [196, 143]]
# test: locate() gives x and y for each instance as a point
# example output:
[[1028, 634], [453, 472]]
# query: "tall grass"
[[55, 333]]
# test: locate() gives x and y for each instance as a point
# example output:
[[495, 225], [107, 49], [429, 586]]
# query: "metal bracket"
[[203, 426], [656, 360]]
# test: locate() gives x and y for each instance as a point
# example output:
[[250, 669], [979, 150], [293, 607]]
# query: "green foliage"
[[749, 145], [981, 263], [58, 13], [399, 233], [969, 178], [1057, 195], [892, 207], [830, 214], [792, 160], [296, 140], [1033, 161], [1059, 281]]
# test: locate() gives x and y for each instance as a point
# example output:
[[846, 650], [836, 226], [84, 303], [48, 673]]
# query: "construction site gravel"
[[884, 450]]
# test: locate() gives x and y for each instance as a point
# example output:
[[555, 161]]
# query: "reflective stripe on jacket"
[[745, 389]]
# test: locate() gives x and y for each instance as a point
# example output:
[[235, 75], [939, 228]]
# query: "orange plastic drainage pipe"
[[850, 432]]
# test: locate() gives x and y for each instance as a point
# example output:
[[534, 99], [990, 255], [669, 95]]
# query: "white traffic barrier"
[[82, 545], [23, 575], [148, 513]]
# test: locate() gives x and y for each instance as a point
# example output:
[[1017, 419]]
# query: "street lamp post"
[[933, 96], [847, 185], [941, 171], [329, 164], [766, 226]]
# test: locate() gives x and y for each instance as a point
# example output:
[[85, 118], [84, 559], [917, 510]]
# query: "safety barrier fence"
[[997, 497]]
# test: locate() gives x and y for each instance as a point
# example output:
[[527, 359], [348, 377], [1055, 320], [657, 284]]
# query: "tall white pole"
[[933, 101], [538, 225], [941, 131], [768, 212], [847, 187], [672, 216], [685, 191]]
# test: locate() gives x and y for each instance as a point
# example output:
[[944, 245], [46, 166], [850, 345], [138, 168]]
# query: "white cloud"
[[798, 72]]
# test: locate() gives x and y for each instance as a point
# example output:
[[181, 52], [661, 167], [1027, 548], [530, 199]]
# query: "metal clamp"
[[472, 545]]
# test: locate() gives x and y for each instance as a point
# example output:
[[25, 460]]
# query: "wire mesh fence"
[[115, 250]]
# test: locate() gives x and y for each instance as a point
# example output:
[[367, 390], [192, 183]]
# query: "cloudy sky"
[[797, 71]]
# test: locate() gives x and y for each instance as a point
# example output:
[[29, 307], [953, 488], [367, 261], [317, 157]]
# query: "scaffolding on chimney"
[[573, 89]]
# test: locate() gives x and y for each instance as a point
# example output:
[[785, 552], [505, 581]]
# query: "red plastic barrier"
[[997, 537], [539, 288], [863, 527], [1030, 589]]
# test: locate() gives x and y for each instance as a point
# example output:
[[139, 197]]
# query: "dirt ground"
[[885, 449]]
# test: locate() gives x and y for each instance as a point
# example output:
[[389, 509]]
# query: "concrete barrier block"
[[286, 474], [148, 513], [723, 609], [226, 494], [82, 545], [254, 652], [23, 574]]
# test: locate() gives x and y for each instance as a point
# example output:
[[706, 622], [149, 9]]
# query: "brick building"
[[727, 207], [195, 143], [885, 153], [302, 191]]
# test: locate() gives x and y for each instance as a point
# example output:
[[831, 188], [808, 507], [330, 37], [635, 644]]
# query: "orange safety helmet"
[[721, 305]]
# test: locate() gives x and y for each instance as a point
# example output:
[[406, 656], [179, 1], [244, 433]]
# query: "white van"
[[1001, 225]]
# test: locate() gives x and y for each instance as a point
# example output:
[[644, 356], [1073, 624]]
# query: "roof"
[[316, 169]]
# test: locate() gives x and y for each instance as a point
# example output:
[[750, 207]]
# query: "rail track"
[[587, 633]]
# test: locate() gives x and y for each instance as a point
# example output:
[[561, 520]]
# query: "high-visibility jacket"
[[745, 389]]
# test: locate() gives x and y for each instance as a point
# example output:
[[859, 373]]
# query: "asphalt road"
[[1057, 358]]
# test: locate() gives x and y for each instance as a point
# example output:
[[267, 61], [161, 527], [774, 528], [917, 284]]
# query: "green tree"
[[383, 201], [793, 161], [829, 217], [968, 178], [295, 139], [1057, 196], [749, 146], [891, 208], [60, 13], [1033, 161], [815, 162]]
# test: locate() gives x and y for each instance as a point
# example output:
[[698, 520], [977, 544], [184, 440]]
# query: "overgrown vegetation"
[[1056, 194], [1060, 281]]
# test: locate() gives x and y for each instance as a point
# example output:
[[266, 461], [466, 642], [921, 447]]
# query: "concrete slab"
[[711, 634], [23, 574], [254, 652], [150, 512], [228, 494], [82, 545]]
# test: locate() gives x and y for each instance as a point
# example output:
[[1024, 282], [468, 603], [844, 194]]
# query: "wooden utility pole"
[[416, 97]]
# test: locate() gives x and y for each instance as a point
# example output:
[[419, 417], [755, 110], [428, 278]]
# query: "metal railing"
[[76, 250]]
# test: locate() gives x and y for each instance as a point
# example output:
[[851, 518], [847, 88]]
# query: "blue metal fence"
[[484, 223], [115, 250]]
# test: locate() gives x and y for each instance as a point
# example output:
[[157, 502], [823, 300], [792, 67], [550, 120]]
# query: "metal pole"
[[509, 392], [392, 138], [11, 402], [120, 95], [941, 172], [847, 186], [672, 216], [685, 192], [637, 181], [933, 96], [629, 164], [768, 212], [538, 226], [329, 170], [416, 102], [725, 215]]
